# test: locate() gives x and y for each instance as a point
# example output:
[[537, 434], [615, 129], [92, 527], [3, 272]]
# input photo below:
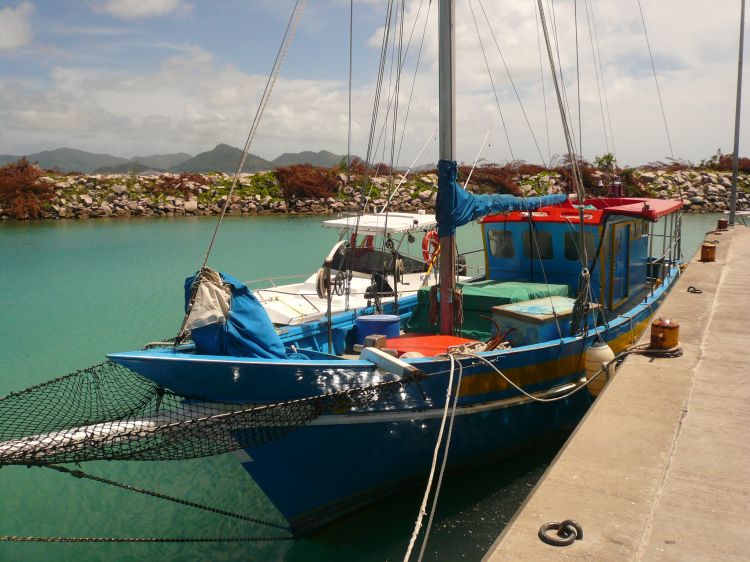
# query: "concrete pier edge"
[[657, 469]]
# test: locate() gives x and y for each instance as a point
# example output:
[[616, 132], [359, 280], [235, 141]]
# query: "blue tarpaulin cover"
[[247, 331], [457, 207]]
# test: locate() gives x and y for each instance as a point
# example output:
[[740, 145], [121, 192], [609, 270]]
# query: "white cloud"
[[15, 26], [128, 9], [193, 100]]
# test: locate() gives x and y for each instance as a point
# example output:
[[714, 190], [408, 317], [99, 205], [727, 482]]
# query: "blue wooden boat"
[[559, 278], [346, 459]]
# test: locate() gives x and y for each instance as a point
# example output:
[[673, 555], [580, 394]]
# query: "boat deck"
[[658, 469]]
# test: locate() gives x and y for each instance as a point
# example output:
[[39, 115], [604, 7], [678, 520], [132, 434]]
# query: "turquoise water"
[[72, 291]]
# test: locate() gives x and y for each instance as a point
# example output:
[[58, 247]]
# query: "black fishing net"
[[107, 412]]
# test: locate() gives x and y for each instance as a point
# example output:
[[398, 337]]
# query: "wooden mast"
[[447, 139]]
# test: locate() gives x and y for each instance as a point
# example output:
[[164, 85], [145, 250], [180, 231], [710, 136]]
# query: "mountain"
[[323, 159], [68, 159], [222, 158], [162, 161], [130, 167]]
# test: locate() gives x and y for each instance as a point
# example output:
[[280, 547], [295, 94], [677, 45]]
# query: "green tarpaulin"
[[478, 300]]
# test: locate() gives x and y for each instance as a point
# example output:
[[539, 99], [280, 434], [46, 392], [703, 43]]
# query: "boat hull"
[[321, 471]]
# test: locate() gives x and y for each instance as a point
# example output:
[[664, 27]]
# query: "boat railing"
[[671, 252], [273, 279]]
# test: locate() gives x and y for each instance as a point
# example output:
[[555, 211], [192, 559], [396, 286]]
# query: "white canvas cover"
[[211, 303]]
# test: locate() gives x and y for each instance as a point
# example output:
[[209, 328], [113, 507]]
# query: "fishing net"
[[107, 412]]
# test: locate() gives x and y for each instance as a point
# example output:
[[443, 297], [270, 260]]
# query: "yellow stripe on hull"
[[489, 381]]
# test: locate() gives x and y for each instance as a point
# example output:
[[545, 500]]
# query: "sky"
[[140, 77]]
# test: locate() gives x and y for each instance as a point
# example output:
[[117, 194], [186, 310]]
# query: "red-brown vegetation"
[[490, 178], [21, 192], [300, 181], [178, 185]]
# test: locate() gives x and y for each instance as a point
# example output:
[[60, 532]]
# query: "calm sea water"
[[72, 291]]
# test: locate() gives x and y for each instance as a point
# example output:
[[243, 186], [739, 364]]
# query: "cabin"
[[533, 265]]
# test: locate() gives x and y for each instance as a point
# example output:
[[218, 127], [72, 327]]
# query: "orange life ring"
[[430, 246]]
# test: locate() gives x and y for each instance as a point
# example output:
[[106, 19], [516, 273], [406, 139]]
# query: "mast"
[[447, 137], [735, 156]]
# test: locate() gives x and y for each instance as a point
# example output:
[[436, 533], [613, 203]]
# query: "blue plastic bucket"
[[388, 325]]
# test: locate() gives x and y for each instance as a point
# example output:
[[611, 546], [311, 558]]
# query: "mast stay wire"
[[561, 85], [414, 78], [568, 138], [596, 75], [382, 128], [656, 81], [510, 78], [604, 80], [289, 33], [578, 80], [541, 76], [492, 81], [349, 127]]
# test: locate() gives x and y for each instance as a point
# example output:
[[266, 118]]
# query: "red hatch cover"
[[428, 345]]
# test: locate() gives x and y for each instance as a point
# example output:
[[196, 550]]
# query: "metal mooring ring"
[[692, 289], [568, 531]]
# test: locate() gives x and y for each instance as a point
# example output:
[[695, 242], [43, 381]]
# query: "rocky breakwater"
[[117, 195], [702, 191]]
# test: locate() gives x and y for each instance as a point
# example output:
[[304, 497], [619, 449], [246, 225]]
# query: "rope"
[[479, 154], [492, 82], [15, 538], [604, 81], [656, 81], [444, 461], [596, 75], [131, 488], [286, 42], [425, 498], [541, 76], [349, 125], [510, 79]]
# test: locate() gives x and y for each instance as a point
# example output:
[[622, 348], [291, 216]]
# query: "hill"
[[222, 158], [131, 167], [68, 160], [162, 161], [324, 159]]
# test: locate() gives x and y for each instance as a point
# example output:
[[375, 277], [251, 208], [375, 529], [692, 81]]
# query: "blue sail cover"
[[247, 332], [457, 207]]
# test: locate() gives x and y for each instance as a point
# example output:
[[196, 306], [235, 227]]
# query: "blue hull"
[[322, 470]]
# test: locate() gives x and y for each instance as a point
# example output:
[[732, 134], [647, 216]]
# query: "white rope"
[[536, 398], [430, 140], [479, 154], [425, 498], [445, 459]]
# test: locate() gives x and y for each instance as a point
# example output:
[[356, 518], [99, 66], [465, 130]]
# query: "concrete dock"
[[659, 469]]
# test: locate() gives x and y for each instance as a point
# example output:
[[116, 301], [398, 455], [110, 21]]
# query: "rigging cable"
[[596, 75], [656, 81], [289, 33], [541, 76], [349, 127], [381, 135], [604, 80], [494, 90], [510, 78], [414, 79], [578, 80]]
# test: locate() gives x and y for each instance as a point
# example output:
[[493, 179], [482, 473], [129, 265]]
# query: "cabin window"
[[501, 244], [537, 245], [573, 240]]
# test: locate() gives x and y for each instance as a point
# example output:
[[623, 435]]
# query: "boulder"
[[118, 188], [190, 206]]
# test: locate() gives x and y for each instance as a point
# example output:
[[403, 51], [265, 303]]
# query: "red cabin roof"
[[649, 209]]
